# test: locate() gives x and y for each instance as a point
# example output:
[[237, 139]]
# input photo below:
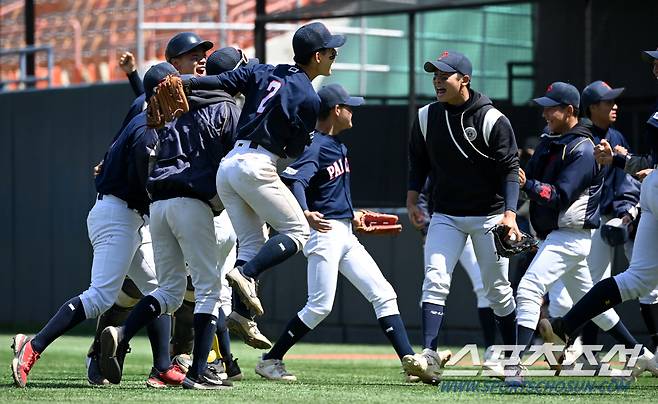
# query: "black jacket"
[[191, 147], [471, 154]]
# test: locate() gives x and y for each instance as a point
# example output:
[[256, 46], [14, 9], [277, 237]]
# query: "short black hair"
[[324, 113]]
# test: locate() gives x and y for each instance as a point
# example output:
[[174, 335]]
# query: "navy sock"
[[603, 296], [295, 330], [431, 323], [622, 335], [276, 250], [650, 316], [158, 332], [205, 326], [488, 325], [68, 316], [394, 329], [223, 337], [507, 327], [145, 311], [239, 306], [524, 336], [590, 333]]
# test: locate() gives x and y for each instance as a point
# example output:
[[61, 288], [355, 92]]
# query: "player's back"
[[280, 110]]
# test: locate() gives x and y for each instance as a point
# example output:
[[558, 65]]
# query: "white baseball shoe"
[[427, 365], [274, 369], [645, 363], [246, 288], [514, 375], [247, 330]]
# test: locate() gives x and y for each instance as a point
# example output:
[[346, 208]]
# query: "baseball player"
[[183, 192], [320, 181], [468, 148], [468, 261], [563, 183], [641, 277], [619, 197], [280, 111], [116, 231], [129, 293]]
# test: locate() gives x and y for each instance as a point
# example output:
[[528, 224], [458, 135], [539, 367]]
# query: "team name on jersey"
[[338, 168]]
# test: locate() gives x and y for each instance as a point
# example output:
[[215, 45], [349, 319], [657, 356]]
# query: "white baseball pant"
[[183, 231], [226, 246], [338, 250], [253, 194], [641, 277], [446, 238], [122, 246], [469, 262], [563, 255]]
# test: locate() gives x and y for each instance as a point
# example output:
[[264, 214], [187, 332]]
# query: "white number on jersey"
[[272, 88]]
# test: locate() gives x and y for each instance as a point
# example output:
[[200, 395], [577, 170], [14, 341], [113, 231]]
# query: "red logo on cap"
[[606, 85], [549, 88], [443, 55]]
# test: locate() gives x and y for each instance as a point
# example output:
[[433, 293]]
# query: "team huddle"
[[191, 211]]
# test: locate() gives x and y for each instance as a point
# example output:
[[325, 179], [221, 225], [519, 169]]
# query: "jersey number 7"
[[272, 88]]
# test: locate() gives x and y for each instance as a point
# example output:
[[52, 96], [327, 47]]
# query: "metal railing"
[[22, 57]]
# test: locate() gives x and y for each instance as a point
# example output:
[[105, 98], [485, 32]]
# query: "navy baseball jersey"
[[280, 109], [323, 169], [125, 165]]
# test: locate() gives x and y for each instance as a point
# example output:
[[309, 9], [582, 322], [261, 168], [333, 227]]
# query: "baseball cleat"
[[645, 363], [246, 288], [410, 378], [427, 365], [217, 367], [184, 361], [274, 369], [94, 375], [209, 380], [233, 370], [113, 353], [514, 375], [24, 358], [171, 377], [247, 330]]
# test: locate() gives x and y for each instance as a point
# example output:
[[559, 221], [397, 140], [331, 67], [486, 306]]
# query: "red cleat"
[[24, 359], [173, 376]]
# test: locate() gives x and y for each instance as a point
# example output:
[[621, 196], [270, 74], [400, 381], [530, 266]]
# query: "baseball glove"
[[369, 222], [168, 102], [506, 247]]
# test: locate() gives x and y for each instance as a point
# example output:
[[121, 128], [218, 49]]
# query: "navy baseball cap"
[[650, 55], [225, 60], [598, 91], [450, 62], [313, 37], [334, 94], [155, 75], [559, 93]]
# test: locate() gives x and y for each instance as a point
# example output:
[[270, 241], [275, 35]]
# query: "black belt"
[[252, 145]]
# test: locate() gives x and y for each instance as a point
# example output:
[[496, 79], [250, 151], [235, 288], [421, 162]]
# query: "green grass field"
[[60, 377]]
